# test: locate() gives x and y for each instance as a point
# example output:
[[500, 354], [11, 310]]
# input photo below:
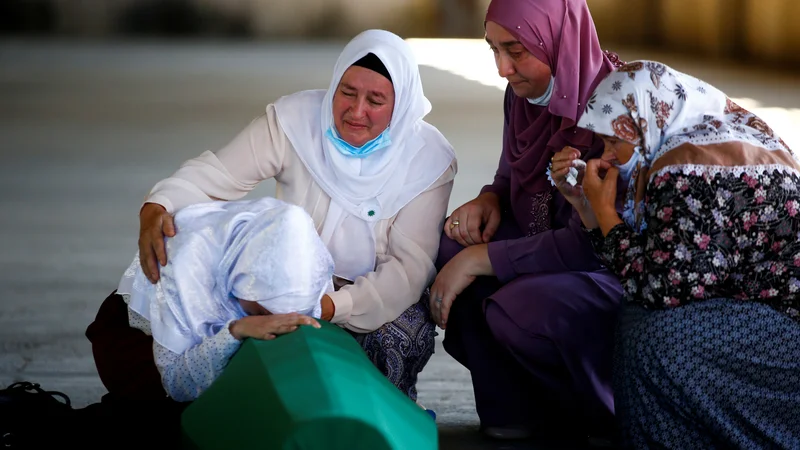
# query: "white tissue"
[[572, 176]]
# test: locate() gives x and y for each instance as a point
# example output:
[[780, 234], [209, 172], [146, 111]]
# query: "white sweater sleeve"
[[407, 267]]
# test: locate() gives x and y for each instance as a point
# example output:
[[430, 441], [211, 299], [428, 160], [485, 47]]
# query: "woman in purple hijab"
[[525, 303]]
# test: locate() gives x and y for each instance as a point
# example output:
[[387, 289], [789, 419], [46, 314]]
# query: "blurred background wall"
[[757, 31]]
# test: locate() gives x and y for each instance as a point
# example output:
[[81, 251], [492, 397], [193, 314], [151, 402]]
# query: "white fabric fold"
[[262, 250]]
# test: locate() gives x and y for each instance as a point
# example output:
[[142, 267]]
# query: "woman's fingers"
[[157, 241], [448, 225], [436, 303], [459, 230], [148, 261], [474, 229], [446, 304]]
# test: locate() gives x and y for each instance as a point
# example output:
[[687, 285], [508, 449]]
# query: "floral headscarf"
[[657, 109]]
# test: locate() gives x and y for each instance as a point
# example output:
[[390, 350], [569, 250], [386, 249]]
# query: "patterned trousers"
[[400, 349]]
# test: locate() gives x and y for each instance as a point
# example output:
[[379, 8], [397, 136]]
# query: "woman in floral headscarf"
[[708, 253]]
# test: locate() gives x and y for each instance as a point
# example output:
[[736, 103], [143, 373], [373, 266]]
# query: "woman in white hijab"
[[245, 269], [375, 179]]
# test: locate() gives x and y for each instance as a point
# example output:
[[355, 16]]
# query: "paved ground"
[[86, 130]]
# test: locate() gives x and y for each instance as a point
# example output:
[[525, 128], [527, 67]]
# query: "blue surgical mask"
[[381, 141], [626, 170], [544, 100]]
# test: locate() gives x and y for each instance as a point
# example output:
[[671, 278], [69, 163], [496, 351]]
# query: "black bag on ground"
[[28, 413]]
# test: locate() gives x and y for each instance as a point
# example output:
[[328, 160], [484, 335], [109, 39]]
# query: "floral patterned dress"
[[710, 235]]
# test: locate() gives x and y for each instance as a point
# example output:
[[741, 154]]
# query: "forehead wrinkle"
[[374, 93]]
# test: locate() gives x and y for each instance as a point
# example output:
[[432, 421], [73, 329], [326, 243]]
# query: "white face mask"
[[626, 170], [544, 100], [383, 140]]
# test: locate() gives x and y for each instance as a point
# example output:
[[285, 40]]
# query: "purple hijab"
[[561, 34]]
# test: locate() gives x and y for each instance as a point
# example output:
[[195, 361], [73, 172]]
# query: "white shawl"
[[261, 250]]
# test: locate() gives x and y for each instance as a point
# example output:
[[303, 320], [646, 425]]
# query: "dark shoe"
[[555, 437], [601, 442], [513, 433]]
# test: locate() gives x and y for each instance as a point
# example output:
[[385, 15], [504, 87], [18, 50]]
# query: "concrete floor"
[[86, 129]]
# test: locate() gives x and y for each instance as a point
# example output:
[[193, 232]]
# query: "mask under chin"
[[626, 170]]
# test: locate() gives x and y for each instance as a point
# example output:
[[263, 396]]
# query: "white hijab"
[[261, 250], [365, 190]]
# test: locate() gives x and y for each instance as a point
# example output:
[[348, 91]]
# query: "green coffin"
[[310, 389]]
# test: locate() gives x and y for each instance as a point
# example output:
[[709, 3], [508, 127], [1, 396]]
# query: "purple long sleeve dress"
[[538, 337]]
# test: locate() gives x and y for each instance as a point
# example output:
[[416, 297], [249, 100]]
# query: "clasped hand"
[[594, 195]]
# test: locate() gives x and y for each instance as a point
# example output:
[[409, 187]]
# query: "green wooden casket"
[[307, 390]]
